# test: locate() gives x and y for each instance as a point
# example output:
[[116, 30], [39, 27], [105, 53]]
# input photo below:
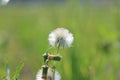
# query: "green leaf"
[[17, 71]]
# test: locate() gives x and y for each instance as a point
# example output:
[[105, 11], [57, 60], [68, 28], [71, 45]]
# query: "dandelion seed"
[[60, 37]]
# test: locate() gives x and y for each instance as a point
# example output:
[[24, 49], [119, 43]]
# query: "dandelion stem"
[[53, 72], [57, 50], [58, 47], [48, 49], [7, 72]]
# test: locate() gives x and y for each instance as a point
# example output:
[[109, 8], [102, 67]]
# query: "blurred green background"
[[94, 55]]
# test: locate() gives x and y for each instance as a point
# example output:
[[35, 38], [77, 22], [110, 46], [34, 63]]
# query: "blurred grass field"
[[94, 54]]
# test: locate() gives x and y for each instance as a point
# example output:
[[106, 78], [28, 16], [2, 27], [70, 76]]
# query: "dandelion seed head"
[[49, 76], [60, 37], [4, 2]]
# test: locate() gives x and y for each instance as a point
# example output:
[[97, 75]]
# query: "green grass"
[[95, 52]]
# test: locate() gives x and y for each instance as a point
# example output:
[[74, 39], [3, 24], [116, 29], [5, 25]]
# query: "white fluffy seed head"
[[49, 75], [4, 2], [60, 37]]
